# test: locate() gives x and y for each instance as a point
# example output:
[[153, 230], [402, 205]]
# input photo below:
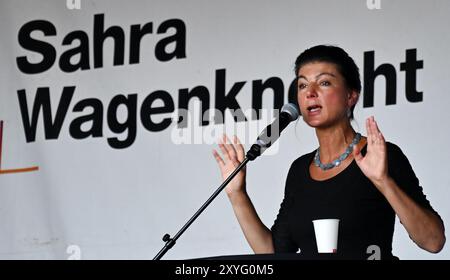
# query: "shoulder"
[[399, 165], [303, 160], [301, 163], [395, 156], [392, 147], [297, 172], [394, 152]]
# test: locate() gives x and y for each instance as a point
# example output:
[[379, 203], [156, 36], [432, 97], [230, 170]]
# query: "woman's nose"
[[311, 91]]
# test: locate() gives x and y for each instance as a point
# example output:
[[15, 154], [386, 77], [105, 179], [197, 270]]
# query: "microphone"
[[271, 133]]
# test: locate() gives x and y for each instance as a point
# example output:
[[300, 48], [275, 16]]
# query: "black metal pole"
[[170, 242]]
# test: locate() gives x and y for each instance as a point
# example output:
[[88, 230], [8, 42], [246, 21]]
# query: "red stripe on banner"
[[16, 170], [19, 170], [1, 141]]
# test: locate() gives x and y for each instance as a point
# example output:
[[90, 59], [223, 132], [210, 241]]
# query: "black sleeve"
[[281, 235], [401, 171]]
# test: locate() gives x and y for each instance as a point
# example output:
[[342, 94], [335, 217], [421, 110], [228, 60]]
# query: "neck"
[[334, 140]]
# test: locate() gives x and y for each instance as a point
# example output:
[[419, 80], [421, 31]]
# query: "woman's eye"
[[325, 83], [301, 86]]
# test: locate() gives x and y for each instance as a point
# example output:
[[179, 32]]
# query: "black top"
[[366, 217]]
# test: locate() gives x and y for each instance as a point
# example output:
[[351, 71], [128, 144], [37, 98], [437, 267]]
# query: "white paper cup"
[[326, 231]]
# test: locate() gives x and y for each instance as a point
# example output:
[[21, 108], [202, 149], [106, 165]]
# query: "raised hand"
[[374, 163], [233, 155]]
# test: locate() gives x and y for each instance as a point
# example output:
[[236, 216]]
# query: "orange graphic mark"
[[16, 170], [1, 139]]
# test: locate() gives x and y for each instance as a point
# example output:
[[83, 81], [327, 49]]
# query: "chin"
[[314, 123]]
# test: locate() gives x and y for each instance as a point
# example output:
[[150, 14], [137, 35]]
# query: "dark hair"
[[332, 54]]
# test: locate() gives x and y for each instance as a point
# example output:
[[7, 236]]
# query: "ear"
[[353, 97]]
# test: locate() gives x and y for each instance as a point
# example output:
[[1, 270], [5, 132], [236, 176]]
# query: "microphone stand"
[[253, 153]]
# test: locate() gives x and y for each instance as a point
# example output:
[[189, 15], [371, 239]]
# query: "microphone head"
[[291, 109]]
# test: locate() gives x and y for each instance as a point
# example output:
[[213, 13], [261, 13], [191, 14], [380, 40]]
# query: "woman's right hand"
[[233, 155]]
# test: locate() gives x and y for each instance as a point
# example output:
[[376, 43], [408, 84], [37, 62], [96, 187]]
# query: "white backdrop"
[[87, 199]]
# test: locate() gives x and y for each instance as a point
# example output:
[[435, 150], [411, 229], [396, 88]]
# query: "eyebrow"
[[321, 74]]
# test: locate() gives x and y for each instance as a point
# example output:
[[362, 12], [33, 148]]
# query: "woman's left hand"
[[374, 163]]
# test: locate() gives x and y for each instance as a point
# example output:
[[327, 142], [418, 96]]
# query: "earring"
[[349, 112]]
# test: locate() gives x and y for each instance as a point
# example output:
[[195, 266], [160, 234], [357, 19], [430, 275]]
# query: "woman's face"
[[322, 94]]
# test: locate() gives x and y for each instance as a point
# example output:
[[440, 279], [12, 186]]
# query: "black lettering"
[[179, 39], [42, 100], [224, 101], [96, 117], [45, 49], [147, 110], [114, 32], [185, 95], [386, 70], [82, 50], [410, 66], [274, 83], [135, 40], [292, 93], [130, 102]]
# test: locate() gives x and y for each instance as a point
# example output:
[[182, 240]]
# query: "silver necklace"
[[341, 158]]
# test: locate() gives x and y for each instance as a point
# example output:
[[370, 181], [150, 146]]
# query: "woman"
[[364, 187]]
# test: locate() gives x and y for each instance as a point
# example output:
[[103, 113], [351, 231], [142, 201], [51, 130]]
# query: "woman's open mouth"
[[314, 110]]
